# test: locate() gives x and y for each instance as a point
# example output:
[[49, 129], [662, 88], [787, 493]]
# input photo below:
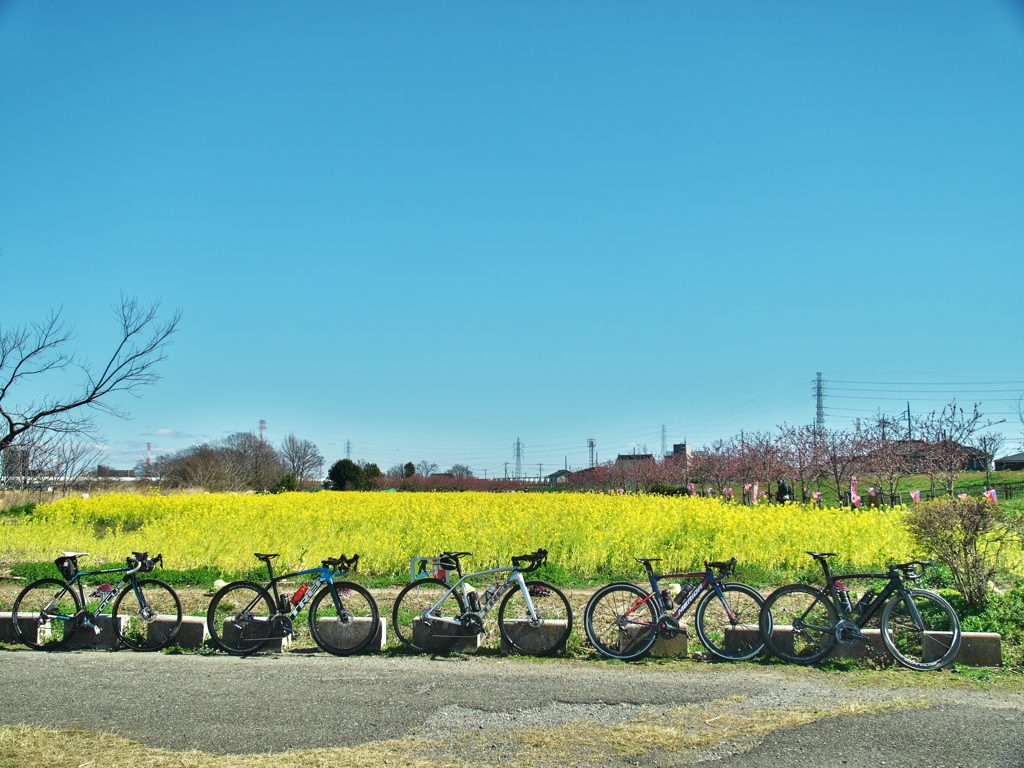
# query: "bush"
[[970, 536]]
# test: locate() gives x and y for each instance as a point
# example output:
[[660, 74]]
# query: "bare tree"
[[460, 470], [888, 457], [841, 454], [989, 443], [799, 448], [38, 352], [949, 437], [256, 460], [67, 460], [302, 459], [425, 468]]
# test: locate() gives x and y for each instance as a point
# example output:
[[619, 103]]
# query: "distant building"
[[558, 478], [1016, 461]]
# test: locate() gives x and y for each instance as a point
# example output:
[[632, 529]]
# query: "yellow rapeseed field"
[[586, 534]]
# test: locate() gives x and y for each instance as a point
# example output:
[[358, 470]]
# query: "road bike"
[[145, 613], [623, 621], [802, 624], [534, 617], [343, 618]]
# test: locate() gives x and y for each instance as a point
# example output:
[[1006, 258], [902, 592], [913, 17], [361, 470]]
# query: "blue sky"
[[432, 229]]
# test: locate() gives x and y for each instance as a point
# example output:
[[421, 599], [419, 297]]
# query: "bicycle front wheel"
[[541, 634], [348, 627], [420, 632], [239, 618], [931, 644], [45, 614], [620, 621], [798, 624], [729, 628], [148, 617]]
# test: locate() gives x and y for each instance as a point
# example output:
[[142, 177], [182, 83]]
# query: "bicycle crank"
[[473, 623], [668, 628], [849, 633]]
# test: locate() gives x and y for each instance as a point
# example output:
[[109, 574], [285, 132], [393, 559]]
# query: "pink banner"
[[753, 492]]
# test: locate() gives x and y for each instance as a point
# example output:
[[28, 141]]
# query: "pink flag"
[[961, 495], [991, 495], [689, 487], [855, 500], [853, 486], [816, 495], [728, 492], [915, 495], [754, 492]]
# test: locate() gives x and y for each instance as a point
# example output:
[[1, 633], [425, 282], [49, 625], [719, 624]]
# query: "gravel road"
[[496, 711]]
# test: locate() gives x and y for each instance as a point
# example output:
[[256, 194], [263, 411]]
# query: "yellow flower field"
[[588, 535]]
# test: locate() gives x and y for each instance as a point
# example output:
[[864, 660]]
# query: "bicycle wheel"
[[346, 631], [730, 630], [419, 633], [620, 621], [535, 637], [931, 645], [798, 624], [151, 613], [45, 614], [239, 618]]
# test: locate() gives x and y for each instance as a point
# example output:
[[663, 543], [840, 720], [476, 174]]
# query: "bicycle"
[[534, 617], [343, 617], [919, 628], [146, 613], [623, 620]]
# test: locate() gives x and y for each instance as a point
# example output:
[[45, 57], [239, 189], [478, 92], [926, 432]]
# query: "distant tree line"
[[884, 449]]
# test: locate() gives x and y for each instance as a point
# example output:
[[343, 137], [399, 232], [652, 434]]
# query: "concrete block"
[[192, 633], [438, 637], [351, 632], [872, 649], [231, 634], [106, 639], [533, 639], [977, 649], [28, 626], [742, 638], [676, 646]]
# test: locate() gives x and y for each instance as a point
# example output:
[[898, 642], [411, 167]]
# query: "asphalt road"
[[225, 705]]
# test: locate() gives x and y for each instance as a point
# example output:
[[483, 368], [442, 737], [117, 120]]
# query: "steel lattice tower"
[[819, 396], [519, 458], [591, 443]]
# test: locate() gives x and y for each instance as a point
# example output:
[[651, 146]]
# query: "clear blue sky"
[[434, 228]]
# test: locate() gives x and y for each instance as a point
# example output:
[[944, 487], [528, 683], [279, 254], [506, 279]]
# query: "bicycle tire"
[[932, 646], [620, 622], [50, 605], [812, 619], [420, 634], [349, 631], [523, 635], [150, 627], [734, 637], [239, 618]]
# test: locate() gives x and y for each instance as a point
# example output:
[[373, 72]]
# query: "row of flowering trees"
[[942, 444]]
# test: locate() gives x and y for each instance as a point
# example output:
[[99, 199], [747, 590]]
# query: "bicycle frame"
[[76, 582], [665, 605], [325, 578], [515, 577], [895, 585]]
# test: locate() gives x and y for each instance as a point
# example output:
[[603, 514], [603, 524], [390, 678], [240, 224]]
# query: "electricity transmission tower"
[[664, 441], [591, 443], [348, 450], [518, 457], [819, 396]]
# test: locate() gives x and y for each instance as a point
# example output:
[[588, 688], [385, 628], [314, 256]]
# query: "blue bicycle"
[[343, 616], [146, 613]]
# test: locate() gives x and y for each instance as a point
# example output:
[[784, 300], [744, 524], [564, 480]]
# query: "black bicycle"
[[343, 617], [802, 624], [145, 613], [623, 621]]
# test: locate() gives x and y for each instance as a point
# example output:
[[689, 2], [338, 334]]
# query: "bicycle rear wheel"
[[798, 624], [150, 623], [730, 630], [239, 618], [535, 637], [931, 645], [422, 634], [620, 621], [348, 630], [45, 614]]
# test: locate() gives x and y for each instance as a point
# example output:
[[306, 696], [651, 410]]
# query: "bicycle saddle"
[[75, 554], [264, 558], [822, 554], [647, 559]]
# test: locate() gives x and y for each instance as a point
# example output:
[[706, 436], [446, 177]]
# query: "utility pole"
[[506, 470], [591, 443], [664, 442], [909, 433], [819, 397]]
